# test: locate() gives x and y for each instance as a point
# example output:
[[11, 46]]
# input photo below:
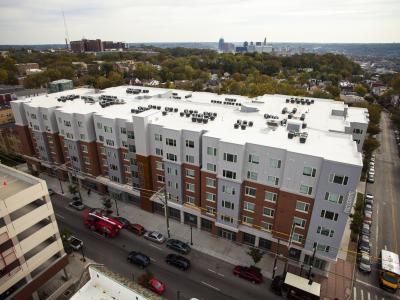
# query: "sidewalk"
[[207, 243]]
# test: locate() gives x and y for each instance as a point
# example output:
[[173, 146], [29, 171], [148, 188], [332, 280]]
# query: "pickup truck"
[[75, 243]]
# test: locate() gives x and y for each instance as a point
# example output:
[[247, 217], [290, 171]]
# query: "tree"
[[370, 145], [3, 76], [373, 129], [115, 78], [395, 84], [103, 83], [106, 68], [356, 222], [360, 90], [65, 235], [73, 189], [107, 205], [256, 254]]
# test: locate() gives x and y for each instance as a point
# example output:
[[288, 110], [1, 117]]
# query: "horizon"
[[23, 22]]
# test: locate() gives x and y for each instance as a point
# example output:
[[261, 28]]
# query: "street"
[[385, 226], [208, 278]]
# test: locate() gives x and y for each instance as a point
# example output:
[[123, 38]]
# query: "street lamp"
[[191, 221], [276, 258], [116, 206], [83, 254]]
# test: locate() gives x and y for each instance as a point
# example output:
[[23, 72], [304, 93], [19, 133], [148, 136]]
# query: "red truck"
[[96, 221]]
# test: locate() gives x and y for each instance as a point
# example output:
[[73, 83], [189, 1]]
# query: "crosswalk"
[[360, 293]]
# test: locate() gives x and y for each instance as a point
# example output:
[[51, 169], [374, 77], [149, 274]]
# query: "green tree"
[[395, 83], [370, 145], [333, 90], [3, 76], [106, 68], [65, 234], [256, 254], [373, 129], [103, 83], [360, 90], [73, 189], [115, 78], [107, 205]]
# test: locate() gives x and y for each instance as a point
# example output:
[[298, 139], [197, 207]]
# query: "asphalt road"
[[208, 278], [386, 225]]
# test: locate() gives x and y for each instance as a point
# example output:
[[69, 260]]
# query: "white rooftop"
[[326, 132]]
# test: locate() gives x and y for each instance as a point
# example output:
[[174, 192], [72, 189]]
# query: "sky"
[[325, 21]]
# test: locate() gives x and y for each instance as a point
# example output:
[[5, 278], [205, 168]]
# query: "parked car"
[[364, 264], [367, 219], [371, 164], [368, 208], [364, 238], [125, 222], [251, 273], [154, 236], [366, 229], [75, 243], [371, 179], [136, 229], [77, 204], [371, 173], [51, 192], [178, 246], [138, 259], [178, 261], [364, 246], [157, 286], [369, 199]]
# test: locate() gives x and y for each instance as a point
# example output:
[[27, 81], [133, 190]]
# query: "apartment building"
[[264, 171], [30, 244]]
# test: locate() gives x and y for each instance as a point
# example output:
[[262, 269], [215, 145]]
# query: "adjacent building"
[[31, 250], [96, 45], [259, 171]]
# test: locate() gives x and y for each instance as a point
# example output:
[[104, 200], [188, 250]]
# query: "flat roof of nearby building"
[[303, 284], [60, 81], [13, 181], [390, 262], [326, 131]]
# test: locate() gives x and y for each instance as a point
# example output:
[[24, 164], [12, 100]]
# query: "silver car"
[[365, 263], [154, 236]]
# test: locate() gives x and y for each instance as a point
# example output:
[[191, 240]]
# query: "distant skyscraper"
[[221, 44]]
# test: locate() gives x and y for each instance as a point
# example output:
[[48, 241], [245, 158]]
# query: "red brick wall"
[[195, 181]]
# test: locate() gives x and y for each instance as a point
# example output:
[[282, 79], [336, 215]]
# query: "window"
[[170, 142], [304, 189], [329, 215], [210, 210], [190, 187], [124, 144], [189, 173], [190, 159], [252, 175], [268, 212], [211, 182], [297, 238], [159, 151], [102, 150], [84, 148], [308, 171], [113, 167], [211, 197], [82, 136], [171, 156], [125, 155], [99, 126], [190, 199], [272, 180], [131, 135], [107, 129], [160, 178], [132, 148], [212, 151], [211, 167], [123, 130], [270, 197], [230, 157], [302, 206], [248, 220], [45, 117], [101, 138], [228, 190], [110, 142], [228, 204], [229, 174], [158, 137], [35, 127], [266, 226], [299, 222], [358, 131], [127, 169], [325, 231], [321, 247], [189, 144], [334, 198], [70, 135], [254, 159], [168, 170], [176, 185], [227, 218], [248, 206], [67, 123], [274, 163], [249, 191], [339, 179], [160, 165]]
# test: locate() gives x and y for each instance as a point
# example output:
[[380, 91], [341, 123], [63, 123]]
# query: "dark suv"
[[178, 261], [178, 246], [138, 259], [252, 274]]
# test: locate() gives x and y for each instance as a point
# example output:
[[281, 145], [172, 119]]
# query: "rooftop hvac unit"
[[284, 110], [215, 114], [236, 125], [199, 120], [164, 113], [193, 119], [294, 110], [290, 116], [196, 111], [290, 134], [158, 107], [239, 121], [292, 100], [205, 121], [304, 125], [187, 115], [243, 126], [266, 116], [181, 114], [303, 116], [287, 100], [303, 137], [212, 118], [272, 123], [244, 122], [251, 123], [312, 101], [283, 122]]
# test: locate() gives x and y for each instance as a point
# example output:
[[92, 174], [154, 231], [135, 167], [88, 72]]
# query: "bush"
[[357, 217]]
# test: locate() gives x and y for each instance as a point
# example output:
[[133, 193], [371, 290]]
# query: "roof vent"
[[294, 110], [287, 100], [251, 123], [303, 137], [312, 101], [243, 126], [236, 125], [193, 119], [303, 116], [284, 110], [164, 113], [158, 107], [205, 121], [290, 134], [292, 100], [212, 118]]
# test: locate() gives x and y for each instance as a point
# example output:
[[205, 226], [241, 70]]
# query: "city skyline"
[[361, 21]]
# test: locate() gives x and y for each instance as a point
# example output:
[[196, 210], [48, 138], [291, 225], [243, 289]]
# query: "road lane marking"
[[210, 286], [354, 293], [385, 247], [369, 296], [155, 247], [152, 259], [60, 216], [212, 271], [222, 275], [362, 294]]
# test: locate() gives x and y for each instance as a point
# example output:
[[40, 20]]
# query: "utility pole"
[[289, 244], [166, 211], [312, 263], [276, 258], [116, 206]]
